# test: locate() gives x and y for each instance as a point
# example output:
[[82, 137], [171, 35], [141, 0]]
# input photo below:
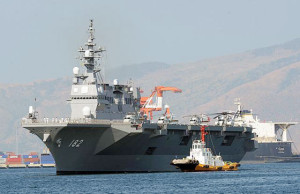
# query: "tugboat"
[[202, 159]]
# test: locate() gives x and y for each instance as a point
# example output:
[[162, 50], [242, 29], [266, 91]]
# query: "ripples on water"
[[254, 178]]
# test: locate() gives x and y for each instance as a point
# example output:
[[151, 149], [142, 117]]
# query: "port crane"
[[147, 104]]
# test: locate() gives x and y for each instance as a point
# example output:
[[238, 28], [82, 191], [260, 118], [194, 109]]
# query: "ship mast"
[[89, 56]]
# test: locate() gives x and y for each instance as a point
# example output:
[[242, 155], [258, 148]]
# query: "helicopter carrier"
[[106, 132]]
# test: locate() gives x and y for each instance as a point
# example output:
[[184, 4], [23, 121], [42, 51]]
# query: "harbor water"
[[251, 178]]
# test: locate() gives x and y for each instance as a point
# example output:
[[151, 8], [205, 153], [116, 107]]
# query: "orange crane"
[[147, 102]]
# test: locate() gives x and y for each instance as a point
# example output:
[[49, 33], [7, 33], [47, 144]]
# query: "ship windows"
[[150, 150], [227, 141]]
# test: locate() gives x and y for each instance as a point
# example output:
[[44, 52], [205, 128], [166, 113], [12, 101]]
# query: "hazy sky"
[[39, 39]]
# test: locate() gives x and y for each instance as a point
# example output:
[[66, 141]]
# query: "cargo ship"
[[272, 137], [109, 130]]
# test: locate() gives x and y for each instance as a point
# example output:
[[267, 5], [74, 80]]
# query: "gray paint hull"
[[121, 148]]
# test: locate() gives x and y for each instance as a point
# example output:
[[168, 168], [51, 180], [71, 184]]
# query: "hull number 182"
[[75, 143]]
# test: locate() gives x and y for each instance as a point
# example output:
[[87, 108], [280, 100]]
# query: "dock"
[[16, 166]]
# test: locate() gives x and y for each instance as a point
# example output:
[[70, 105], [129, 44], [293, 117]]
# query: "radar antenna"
[[90, 55], [91, 30]]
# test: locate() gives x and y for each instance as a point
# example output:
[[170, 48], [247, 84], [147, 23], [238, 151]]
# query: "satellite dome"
[[116, 82], [75, 70], [86, 111], [87, 53]]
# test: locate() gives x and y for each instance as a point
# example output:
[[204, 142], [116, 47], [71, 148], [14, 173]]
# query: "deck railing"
[[47, 121]]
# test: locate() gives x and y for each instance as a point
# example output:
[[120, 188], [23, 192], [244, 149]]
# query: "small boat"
[[202, 159]]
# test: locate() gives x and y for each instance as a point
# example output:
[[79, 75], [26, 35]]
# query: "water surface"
[[251, 178]]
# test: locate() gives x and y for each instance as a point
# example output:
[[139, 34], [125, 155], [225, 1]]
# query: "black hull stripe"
[[106, 172]]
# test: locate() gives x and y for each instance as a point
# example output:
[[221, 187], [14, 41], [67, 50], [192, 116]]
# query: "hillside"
[[267, 80]]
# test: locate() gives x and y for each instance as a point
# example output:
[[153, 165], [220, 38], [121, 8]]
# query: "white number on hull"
[[75, 143]]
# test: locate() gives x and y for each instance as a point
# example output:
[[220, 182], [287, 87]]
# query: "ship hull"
[[271, 152], [120, 148]]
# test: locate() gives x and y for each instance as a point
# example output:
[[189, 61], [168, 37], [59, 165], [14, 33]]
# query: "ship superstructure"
[[91, 98], [107, 133]]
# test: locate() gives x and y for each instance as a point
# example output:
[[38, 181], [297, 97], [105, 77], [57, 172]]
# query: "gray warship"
[[106, 132]]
